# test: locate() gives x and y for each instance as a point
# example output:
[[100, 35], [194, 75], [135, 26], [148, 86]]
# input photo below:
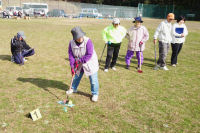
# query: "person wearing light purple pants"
[[137, 36]]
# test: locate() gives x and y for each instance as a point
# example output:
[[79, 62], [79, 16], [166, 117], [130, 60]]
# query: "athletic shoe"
[[156, 67], [127, 67], [95, 98], [70, 91], [177, 63], [24, 60], [113, 68], [174, 65], [105, 70], [164, 68], [138, 67]]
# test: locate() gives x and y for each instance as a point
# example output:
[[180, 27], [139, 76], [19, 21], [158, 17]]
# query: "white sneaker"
[[113, 68], [164, 68], [174, 65], [95, 98], [24, 60], [156, 67], [105, 70], [70, 91]]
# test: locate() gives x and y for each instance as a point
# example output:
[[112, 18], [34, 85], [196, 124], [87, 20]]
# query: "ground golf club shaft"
[[102, 53]]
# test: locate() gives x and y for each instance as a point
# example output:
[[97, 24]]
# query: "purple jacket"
[[85, 58]]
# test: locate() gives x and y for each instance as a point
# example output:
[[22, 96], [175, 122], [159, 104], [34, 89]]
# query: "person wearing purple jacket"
[[83, 59]]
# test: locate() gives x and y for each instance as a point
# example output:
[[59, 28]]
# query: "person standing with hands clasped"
[[113, 35], [83, 59], [163, 33], [179, 32], [137, 36]]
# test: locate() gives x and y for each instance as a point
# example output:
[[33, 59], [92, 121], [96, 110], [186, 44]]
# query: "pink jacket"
[[135, 35]]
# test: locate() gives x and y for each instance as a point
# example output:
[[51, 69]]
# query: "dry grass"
[[155, 101]]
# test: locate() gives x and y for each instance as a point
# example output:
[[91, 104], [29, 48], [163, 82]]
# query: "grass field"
[[154, 101]]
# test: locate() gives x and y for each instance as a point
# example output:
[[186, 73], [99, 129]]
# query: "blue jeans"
[[18, 57], [93, 82]]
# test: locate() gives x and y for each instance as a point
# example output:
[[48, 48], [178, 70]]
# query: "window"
[[90, 11], [38, 6], [18, 8], [10, 8], [25, 6]]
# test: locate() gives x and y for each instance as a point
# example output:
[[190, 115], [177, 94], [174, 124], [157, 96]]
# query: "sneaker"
[[138, 67], [113, 68], [174, 65], [164, 68], [127, 67], [24, 60], [70, 91], [177, 63], [95, 98], [156, 67], [105, 70]]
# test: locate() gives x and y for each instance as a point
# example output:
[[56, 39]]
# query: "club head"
[[139, 71], [65, 101]]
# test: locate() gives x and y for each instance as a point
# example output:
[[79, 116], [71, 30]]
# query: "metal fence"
[[74, 8], [114, 11], [161, 11]]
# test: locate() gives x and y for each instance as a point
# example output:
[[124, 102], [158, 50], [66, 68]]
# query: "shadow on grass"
[[5, 57], [83, 94], [45, 84], [102, 64], [134, 61]]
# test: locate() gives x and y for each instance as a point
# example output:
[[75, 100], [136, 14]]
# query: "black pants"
[[176, 48], [112, 53]]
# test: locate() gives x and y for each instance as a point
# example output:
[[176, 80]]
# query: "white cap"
[[116, 21]]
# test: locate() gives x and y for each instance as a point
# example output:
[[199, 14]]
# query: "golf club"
[[102, 53], [76, 68], [66, 100], [140, 68], [155, 68], [155, 53]]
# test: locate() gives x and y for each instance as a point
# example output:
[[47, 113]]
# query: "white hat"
[[116, 21]]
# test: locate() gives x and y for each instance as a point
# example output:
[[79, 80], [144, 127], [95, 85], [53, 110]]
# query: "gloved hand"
[[72, 71], [77, 62], [140, 43], [109, 42]]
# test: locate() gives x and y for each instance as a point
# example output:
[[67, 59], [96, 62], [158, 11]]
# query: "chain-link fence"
[[161, 11], [114, 11], [155, 11], [75, 8]]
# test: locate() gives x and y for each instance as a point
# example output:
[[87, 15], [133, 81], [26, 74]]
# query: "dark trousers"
[[176, 48], [112, 53], [19, 56]]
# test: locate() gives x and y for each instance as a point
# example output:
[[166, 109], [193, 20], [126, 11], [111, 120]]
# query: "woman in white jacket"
[[179, 32]]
